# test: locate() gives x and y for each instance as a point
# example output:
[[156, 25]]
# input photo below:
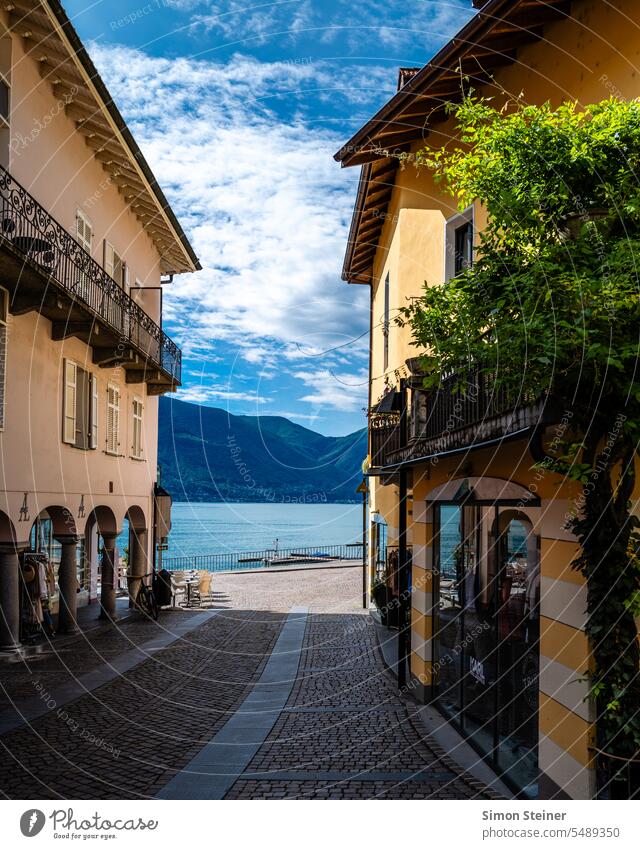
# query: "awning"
[[389, 403]]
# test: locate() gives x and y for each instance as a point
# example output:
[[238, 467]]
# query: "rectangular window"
[[4, 101], [94, 411], [459, 232], [136, 444], [84, 231], [4, 315], [79, 412], [463, 247], [69, 403], [114, 265], [385, 323], [113, 419]]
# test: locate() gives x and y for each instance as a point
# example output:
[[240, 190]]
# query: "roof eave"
[[192, 262]]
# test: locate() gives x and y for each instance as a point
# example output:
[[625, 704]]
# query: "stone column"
[[138, 561], [9, 598], [108, 593], [68, 584]]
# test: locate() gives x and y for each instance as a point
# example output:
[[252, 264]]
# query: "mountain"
[[206, 454]]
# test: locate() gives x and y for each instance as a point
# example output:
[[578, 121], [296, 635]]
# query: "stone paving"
[[344, 733]]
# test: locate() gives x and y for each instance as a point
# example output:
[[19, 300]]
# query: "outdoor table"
[[189, 583], [31, 244]]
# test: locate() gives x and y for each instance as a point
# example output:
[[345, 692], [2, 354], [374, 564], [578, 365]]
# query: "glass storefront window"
[[487, 632], [448, 542]]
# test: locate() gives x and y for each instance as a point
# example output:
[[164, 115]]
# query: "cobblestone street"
[[340, 730]]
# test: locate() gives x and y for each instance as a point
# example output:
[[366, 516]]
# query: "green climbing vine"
[[551, 308]]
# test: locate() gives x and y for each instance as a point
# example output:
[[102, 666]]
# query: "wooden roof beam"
[[529, 19], [66, 93], [358, 268]]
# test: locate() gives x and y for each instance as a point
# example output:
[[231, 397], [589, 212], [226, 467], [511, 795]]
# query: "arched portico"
[[9, 586], [101, 532], [138, 545], [54, 533]]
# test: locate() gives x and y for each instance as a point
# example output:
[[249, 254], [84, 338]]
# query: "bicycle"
[[146, 600]]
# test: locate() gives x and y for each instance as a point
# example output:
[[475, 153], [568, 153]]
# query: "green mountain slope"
[[206, 454]]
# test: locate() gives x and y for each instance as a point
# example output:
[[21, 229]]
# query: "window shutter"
[[69, 403], [113, 419], [93, 418], [109, 258], [84, 231], [136, 447]]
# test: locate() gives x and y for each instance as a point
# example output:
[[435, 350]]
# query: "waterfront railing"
[[269, 557]]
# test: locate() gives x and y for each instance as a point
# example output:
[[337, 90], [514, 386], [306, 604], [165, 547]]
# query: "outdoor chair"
[[178, 587], [204, 586]]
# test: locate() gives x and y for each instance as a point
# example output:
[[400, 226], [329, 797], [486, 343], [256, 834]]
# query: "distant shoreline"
[[292, 500]]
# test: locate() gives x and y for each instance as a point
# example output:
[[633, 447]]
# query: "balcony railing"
[[451, 417], [45, 245], [387, 435]]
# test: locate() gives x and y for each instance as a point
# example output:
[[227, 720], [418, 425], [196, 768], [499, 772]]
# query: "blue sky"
[[239, 107]]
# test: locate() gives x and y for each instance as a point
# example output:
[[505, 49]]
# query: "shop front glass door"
[[479, 646], [448, 541], [487, 633], [518, 656]]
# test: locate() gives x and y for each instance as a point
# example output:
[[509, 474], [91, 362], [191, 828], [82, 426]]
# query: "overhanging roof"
[[490, 40], [487, 42], [50, 39]]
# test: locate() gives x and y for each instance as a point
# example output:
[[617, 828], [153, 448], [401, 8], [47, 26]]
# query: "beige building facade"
[[87, 240]]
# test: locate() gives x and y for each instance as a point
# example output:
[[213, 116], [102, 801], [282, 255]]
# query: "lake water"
[[220, 528]]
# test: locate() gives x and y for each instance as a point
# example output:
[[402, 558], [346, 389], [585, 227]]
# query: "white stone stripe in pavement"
[[218, 765]]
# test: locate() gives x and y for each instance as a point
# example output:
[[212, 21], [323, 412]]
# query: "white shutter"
[[109, 258], [93, 418], [125, 276], [113, 419], [84, 231], [136, 447], [69, 402]]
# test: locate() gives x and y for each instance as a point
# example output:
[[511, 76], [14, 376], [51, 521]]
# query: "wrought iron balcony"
[[46, 270], [450, 418]]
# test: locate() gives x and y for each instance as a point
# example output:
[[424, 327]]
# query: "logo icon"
[[32, 822]]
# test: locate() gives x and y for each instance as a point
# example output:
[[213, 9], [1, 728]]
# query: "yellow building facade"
[[497, 614]]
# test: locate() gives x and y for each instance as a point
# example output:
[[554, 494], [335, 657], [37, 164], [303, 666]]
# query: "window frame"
[[113, 448], [137, 428], [451, 227], [386, 322], [90, 413], [81, 215], [111, 261]]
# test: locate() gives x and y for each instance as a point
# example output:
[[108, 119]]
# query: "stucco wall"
[[51, 159]]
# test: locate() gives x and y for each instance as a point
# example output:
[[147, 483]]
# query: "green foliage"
[[550, 309]]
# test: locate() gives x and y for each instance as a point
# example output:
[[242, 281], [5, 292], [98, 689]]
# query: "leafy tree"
[[550, 308]]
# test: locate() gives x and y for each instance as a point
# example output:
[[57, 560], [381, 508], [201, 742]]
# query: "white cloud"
[[266, 206], [334, 391], [206, 394], [385, 23], [267, 210]]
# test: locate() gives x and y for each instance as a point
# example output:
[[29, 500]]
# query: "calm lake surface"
[[219, 528]]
